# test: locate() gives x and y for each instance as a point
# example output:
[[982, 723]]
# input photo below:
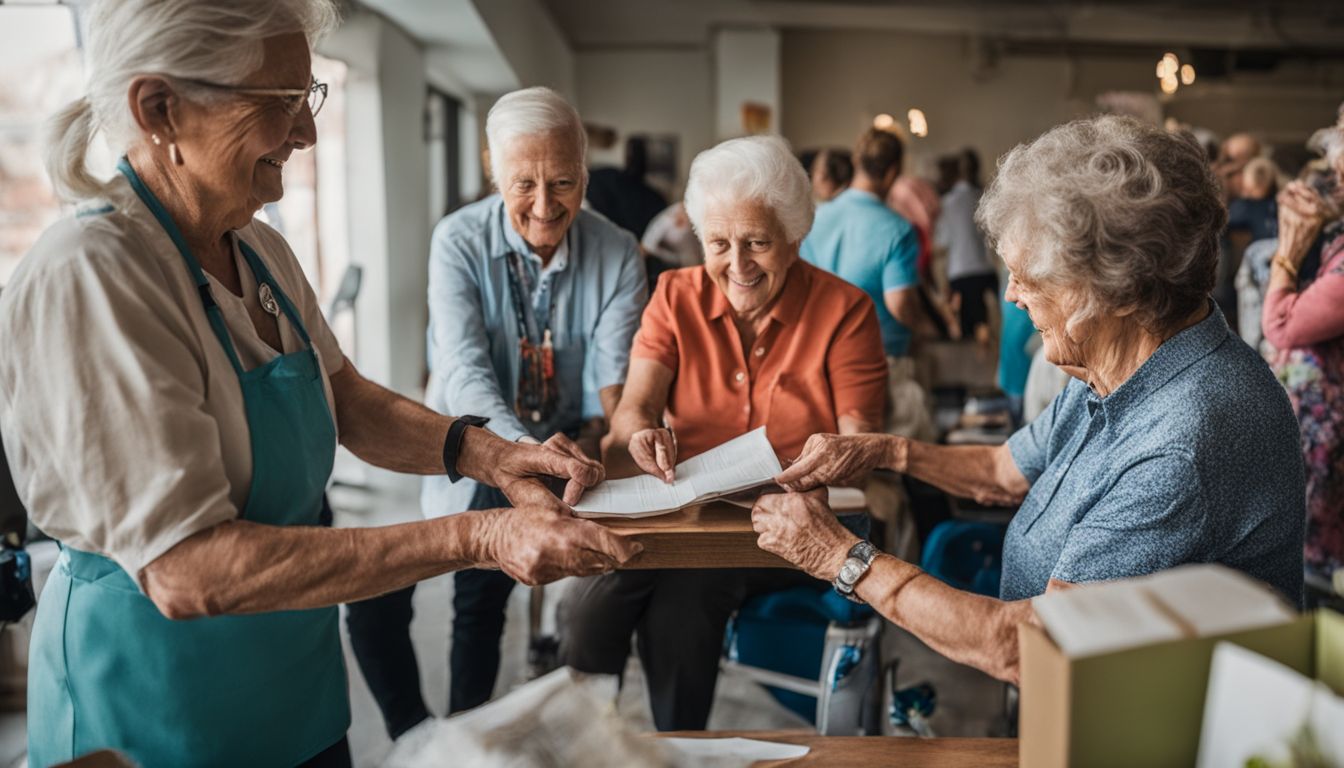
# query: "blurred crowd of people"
[[1280, 282]]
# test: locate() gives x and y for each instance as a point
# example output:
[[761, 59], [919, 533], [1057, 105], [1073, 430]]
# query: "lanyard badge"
[[536, 397]]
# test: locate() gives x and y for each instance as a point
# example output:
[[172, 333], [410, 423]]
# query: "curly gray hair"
[[1125, 214]]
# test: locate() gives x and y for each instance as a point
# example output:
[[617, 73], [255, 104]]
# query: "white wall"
[[649, 91], [388, 186], [746, 68]]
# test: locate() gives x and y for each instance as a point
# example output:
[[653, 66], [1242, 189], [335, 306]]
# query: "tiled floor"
[[968, 702]]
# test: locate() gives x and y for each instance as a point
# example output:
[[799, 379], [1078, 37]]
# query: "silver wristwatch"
[[860, 556]]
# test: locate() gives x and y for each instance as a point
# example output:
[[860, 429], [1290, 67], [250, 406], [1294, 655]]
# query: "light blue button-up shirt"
[[1194, 459], [857, 237], [600, 289]]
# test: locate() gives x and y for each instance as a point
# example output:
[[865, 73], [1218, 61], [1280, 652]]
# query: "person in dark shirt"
[[622, 194], [1256, 212]]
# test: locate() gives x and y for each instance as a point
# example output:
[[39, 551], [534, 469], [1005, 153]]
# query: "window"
[[40, 72], [442, 123], [313, 213]]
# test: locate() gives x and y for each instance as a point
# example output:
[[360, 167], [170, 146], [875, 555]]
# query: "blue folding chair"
[[816, 653], [966, 554]]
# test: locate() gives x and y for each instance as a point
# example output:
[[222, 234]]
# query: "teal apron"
[[108, 670]]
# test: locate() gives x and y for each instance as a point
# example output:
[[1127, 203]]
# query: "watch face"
[[849, 573]]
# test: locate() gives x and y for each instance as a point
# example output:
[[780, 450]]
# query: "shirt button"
[[740, 376], [760, 351]]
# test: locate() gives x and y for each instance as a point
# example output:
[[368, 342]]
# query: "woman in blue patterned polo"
[[1173, 443]]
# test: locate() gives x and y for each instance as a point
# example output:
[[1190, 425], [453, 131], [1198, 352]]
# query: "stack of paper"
[[1189, 601], [737, 465]]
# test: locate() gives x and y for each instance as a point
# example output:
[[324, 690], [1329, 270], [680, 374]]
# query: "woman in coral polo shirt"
[[755, 337]]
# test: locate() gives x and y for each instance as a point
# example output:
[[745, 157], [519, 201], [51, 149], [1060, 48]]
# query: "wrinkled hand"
[[1302, 213], [536, 547], [801, 528], [834, 459], [655, 452], [500, 463]]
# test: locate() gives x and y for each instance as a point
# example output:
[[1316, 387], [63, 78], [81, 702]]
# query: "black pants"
[[480, 598], [679, 617], [974, 310], [380, 633]]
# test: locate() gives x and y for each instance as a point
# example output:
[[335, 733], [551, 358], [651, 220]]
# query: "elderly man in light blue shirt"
[[533, 306]]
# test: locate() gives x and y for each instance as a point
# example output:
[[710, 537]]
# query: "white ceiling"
[[459, 47]]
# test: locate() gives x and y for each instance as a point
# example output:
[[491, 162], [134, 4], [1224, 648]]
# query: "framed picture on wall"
[[755, 118]]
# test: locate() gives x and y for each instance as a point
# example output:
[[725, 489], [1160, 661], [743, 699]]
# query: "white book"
[[742, 463]]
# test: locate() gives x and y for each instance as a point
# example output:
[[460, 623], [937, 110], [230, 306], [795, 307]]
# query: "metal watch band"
[[857, 561], [452, 444]]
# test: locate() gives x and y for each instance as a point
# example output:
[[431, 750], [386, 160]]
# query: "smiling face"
[[1049, 307], [542, 185], [747, 255], [235, 148]]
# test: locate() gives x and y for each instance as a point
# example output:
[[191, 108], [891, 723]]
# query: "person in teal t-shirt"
[[857, 237]]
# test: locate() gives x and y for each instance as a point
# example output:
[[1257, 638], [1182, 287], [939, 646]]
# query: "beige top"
[[122, 418]]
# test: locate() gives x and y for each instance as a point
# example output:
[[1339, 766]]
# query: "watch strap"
[[857, 561], [452, 444]]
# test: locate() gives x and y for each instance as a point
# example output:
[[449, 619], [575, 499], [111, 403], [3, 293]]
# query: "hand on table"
[[500, 463], [655, 452], [538, 540], [801, 528], [836, 459]]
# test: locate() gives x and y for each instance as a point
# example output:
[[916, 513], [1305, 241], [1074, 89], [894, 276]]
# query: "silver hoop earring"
[[174, 154]]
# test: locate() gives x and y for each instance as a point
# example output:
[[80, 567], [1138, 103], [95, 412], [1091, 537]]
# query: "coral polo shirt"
[[819, 356]]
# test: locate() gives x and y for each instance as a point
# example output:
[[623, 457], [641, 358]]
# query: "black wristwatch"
[[452, 444], [860, 556]]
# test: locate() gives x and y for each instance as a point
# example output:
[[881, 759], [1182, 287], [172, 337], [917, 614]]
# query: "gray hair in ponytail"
[[196, 39]]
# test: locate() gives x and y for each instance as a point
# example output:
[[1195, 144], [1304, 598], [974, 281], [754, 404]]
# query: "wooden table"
[[714, 535], [880, 751]]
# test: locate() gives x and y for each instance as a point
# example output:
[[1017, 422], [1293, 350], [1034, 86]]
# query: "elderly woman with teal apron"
[[172, 398]]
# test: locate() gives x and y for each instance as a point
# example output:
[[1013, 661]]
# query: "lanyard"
[[528, 326], [536, 397]]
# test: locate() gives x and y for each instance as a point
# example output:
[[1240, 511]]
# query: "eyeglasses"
[[291, 98]]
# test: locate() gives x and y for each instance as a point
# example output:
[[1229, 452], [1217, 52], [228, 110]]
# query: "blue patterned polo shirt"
[[1196, 458]]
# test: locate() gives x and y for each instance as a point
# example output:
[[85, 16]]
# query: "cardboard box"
[[1145, 706]]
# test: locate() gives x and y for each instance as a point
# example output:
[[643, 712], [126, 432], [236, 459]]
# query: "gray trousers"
[[678, 616]]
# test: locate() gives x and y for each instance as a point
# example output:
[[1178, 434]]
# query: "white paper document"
[[741, 463], [1189, 601], [735, 751]]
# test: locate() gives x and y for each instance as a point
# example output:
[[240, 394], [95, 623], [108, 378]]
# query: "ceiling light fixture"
[[919, 125]]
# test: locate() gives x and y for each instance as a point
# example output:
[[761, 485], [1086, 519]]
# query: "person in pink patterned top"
[[1306, 327]]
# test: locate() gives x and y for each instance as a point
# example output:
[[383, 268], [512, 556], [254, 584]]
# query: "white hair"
[[536, 111], [755, 168], [1329, 142], [219, 42]]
